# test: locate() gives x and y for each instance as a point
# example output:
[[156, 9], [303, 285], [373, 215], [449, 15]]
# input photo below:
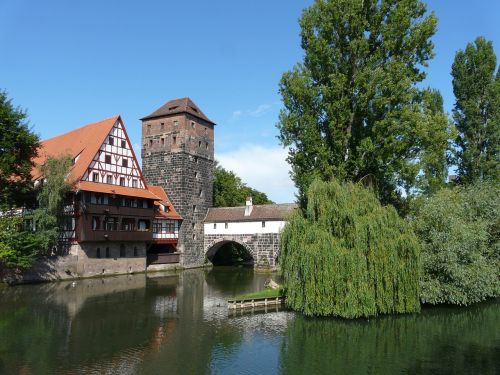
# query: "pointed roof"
[[164, 200], [83, 142], [176, 106]]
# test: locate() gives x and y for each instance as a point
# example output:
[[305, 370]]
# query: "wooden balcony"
[[114, 235]]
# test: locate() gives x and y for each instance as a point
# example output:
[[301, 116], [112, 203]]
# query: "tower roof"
[[175, 106]]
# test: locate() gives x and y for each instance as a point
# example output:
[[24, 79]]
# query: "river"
[[179, 324]]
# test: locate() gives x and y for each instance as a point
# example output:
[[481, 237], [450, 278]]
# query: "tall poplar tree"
[[352, 109], [476, 85]]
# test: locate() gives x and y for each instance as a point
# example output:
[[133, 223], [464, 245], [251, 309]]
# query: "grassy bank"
[[266, 293]]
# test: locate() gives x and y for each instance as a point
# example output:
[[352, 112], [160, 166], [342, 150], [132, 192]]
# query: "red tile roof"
[[116, 189], [176, 106], [164, 200], [83, 142]]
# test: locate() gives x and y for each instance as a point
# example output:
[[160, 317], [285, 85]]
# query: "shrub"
[[459, 233], [348, 256]]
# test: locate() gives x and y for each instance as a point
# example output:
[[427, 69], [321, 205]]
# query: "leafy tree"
[[230, 191], [20, 244], [349, 256], [51, 197], [352, 109], [459, 231], [477, 111], [18, 147]]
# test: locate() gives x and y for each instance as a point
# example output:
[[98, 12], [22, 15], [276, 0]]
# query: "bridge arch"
[[213, 248]]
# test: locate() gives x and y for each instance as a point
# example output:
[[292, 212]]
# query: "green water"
[[179, 324]]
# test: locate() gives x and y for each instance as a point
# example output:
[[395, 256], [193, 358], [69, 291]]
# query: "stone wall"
[[263, 247], [177, 154], [82, 261]]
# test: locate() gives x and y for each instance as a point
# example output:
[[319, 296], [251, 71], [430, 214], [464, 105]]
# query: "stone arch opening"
[[229, 253]]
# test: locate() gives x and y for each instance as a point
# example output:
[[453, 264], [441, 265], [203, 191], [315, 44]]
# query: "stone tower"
[[178, 154]]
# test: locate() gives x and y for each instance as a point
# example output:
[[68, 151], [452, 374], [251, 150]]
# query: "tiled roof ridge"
[[186, 104], [115, 117]]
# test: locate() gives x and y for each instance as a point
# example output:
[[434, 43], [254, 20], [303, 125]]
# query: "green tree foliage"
[[459, 231], [349, 256], [352, 109], [18, 145], [51, 197], [230, 191], [477, 111], [20, 244]]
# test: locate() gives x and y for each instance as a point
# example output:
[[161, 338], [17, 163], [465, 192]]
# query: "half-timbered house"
[[113, 216]]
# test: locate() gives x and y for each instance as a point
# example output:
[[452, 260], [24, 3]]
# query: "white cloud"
[[262, 168], [260, 111]]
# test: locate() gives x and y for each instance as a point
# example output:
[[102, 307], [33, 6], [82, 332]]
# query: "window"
[[194, 236], [200, 193], [226, 225], [107, 252], [111, 223], [194, 208], [193, 225], [122, 181], [109, 179], [122, 251], [263, 224], [174, 140], [176, 123], [98, 252], [125, 162], [215, 225], [162, 126], [96, 223], [95, 177], [196, 159], [124, 143], [163, 141], [192, 124], [111, 141], [135, 251], [150, 143], [206, 145], [134, 184], [199, 143], [128, 224], [196, 174], [149, 128], [107, 159], [143, 225]]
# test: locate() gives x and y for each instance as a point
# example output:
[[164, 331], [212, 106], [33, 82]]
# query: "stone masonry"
[[263, 247], [178, 154]]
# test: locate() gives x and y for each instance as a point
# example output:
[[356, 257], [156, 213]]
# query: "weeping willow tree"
[[348, 256]]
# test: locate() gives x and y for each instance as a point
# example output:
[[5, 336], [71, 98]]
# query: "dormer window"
[[111, 141]]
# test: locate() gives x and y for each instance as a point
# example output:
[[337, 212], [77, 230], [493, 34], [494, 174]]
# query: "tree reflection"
[[439, 340]]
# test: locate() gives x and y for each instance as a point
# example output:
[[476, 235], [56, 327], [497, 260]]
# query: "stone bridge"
[[262, 247], [256, 228]]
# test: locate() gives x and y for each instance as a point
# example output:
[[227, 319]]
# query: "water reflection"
[[179, 324], [438, 341]]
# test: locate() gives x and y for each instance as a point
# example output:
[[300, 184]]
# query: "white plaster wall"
[[245, 227]]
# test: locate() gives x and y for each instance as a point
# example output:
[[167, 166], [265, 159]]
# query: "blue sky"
[[74, 62]]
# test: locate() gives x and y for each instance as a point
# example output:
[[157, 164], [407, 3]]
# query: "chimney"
[[248, 206]]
